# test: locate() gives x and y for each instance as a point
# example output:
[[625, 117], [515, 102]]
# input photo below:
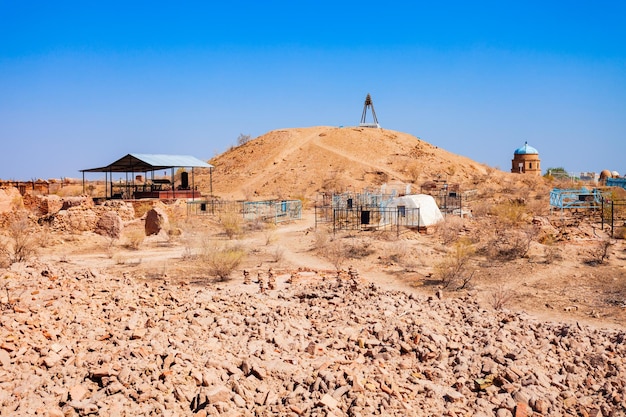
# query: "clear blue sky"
[[83, 83]]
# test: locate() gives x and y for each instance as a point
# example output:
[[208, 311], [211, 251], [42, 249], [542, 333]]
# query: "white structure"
[[403, 210]]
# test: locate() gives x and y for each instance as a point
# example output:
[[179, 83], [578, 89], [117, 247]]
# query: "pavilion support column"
[[173, 184], [193, 185]]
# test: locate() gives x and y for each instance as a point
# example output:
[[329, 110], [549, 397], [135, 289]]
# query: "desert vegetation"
[[21, 240]]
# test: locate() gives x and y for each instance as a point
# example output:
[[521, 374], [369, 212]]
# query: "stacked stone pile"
[[82, 342]]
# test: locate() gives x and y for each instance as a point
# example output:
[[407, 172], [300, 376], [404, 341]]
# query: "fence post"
[[602, 213], [398, 221], [612, 218]]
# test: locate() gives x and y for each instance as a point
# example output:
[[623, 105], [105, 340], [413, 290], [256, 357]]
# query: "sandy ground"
[[567, 289]]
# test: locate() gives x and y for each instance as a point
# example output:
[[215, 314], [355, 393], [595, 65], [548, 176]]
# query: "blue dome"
[[526, 150]]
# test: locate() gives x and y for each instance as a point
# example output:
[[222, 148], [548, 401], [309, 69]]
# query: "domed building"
[[526, 161]]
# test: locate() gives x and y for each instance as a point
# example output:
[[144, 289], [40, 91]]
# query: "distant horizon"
[[82, 84]]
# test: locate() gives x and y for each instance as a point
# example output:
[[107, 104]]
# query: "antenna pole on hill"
[[369, 103]]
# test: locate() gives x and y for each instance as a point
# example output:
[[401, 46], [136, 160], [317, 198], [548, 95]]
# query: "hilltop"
[[303, 161]]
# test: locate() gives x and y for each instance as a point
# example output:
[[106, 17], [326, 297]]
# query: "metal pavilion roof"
[[138, 162]]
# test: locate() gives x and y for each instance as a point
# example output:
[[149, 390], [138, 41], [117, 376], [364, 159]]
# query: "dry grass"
[[454, 269], [133, 238], [359, 248], [450, 229], [335, 252], [501, 297], [21, 240], [232, 224], [219, 261], [321, 239], [277, 253], [600, 253], [509, 243]]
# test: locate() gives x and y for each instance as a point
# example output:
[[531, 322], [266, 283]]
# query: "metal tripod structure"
[[369, 103]]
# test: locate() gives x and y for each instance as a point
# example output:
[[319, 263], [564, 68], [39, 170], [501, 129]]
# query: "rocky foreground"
[[81, 342]]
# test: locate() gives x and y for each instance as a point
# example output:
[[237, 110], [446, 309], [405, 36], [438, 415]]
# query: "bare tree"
[[243, 138]]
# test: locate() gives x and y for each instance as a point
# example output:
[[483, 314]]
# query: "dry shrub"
[[232, 224], [336, 253], [21, 240], [600, 253], [359, 248], [256, 224], [509, 244], [220, 261], [395, 253], [413, 171], [400, 253], [321, 239], [450, 229], [278, 253], [538, 207], [453, 269], [71, 190], [510, 213], [269, 233], [501, 297], [134, 238]]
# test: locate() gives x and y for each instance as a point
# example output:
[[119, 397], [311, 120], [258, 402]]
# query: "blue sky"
[[84, 83]]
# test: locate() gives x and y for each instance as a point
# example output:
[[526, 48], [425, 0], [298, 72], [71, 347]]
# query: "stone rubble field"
[[78, 342]]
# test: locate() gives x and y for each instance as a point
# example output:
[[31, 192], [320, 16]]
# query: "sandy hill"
[[303, 161]]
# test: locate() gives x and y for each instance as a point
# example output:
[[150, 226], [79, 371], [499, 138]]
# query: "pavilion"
[[147, 185]]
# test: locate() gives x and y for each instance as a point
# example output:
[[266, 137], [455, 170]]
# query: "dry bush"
[[453, 269], [538, 207], [256, 224], [359, 248], [21, 240], [336, 253], [72, 190], [220, 261], [600, 253], [413, 172], [395, 253], [278, 254], [134, 238], [45, 237], [509, 244], [269, 233], [232, 224], [188, 237], [450, 229], [321, 239], [552, 254], [501, 297], [399, 253], [510, 213]]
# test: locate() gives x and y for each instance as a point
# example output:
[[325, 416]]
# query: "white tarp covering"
[[429, 214]]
